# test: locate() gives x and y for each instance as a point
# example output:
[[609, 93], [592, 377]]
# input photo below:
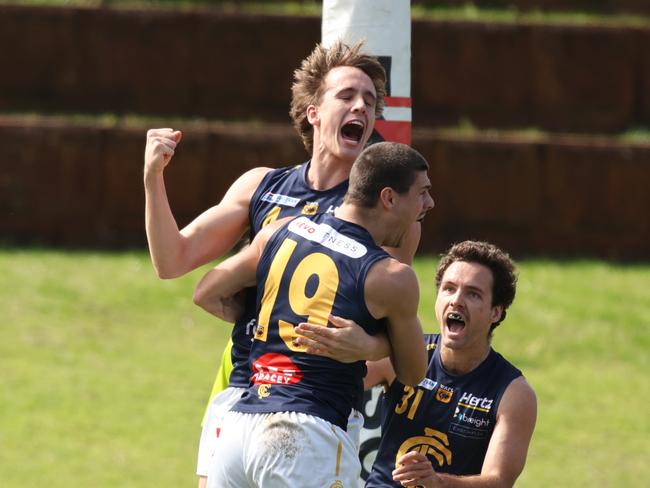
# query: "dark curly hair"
[[504, 272]]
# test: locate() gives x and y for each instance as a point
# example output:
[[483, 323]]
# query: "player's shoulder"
[[388, 281], [273, 179], [392, 272], [248, 182], [519, 394]]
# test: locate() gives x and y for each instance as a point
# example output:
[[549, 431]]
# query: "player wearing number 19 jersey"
[[283, 192], [288, 429], [310, 268]]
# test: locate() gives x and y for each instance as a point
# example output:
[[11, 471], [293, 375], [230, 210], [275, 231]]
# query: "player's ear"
[[387, 197], [313, 116], [497, 312]]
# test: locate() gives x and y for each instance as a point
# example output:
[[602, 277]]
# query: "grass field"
[[105, 370]]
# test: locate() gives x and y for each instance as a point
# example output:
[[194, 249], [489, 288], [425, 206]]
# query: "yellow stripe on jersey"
[[473, 407]]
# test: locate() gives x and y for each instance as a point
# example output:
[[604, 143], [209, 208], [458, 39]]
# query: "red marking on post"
[[397, 101], [394, 130]]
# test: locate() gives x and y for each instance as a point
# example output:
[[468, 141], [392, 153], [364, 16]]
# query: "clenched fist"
[[161, 144]]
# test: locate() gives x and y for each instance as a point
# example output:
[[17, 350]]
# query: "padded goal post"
[[385, 28]]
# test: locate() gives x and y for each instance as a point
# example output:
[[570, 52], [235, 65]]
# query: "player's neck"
[[365, 218], [326, 171], [462, 361]]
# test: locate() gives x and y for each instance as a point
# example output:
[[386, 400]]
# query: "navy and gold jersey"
[[449, 418], [283, 192], [310, 268]]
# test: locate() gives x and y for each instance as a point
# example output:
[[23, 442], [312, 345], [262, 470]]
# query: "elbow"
[[413, 378], [166, 275], [413, 375], [199, 297], [166, 272]]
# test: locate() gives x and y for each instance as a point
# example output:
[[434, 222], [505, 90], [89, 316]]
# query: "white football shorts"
[[221, 403], [283, 450]]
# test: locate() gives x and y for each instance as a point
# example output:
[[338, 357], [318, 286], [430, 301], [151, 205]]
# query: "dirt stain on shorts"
[[283, 438]]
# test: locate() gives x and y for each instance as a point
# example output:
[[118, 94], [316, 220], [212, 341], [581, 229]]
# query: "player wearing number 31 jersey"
[[288, 429]]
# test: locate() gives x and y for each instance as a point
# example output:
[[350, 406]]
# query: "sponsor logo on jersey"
[[310, 208], [280, 199], [433, 444], [327, 237], [478, 422], [468, 400], [444, 394], [428, 384], [276, 369]]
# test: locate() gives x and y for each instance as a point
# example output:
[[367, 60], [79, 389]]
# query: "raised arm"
[[392, 292], [175, 252], [506, 454]]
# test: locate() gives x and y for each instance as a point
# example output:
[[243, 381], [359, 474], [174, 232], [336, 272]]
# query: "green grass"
[[105, 370]]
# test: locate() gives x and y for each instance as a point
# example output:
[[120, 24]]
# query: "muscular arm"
[[506, 454], [175, 252], [392, 292], [216, 292]]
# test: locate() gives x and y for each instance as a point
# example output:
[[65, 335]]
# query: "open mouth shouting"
[[455, 322], [352, 131]]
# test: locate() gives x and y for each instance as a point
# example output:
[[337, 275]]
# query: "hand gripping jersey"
[[283, 192], [449, 418], [309, 269]]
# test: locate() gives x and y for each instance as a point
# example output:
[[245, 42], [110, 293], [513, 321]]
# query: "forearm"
[[163, 236], [377, 347], [415, 469], [408, 355], [214, 287], [217, 289], [475, 481]]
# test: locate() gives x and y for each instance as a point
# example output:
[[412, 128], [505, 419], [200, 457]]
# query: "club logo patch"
[[444, 394], [433, 444], [310, 208]]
